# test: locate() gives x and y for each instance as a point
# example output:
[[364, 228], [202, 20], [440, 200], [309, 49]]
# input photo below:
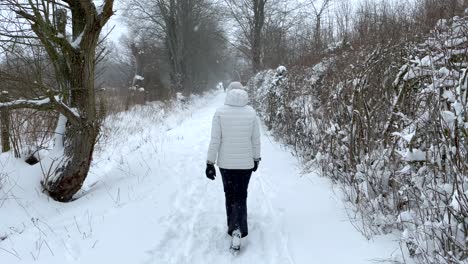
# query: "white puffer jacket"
[[235, 133]]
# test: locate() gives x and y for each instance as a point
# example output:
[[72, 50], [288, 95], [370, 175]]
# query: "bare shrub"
[[31, 131]]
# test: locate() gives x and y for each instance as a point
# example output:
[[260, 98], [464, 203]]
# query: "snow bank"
[[126, 167]]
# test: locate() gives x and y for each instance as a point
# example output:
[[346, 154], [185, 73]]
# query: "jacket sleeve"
[[215, 140], [256, 140]]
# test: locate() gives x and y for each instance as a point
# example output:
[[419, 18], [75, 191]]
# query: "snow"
[[406, 216], [281, 70], [448, 117], [449, 95], [444, 72], [60, 132], [426, 61], [409, 75], [50, 161], [99, 5], [414, 155], [99, 9], [37, 102], [138, 77], [72, 110], [146, 200], [455, 204], [456, 42], [458, 107], [406, 136], [77, 42]]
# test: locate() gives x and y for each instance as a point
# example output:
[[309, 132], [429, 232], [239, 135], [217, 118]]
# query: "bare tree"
[[193, 40], [250, 16], [318, 13], [343, 15], [73, 58]]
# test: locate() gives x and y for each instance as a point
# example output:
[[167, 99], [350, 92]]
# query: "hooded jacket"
[[235, 133]]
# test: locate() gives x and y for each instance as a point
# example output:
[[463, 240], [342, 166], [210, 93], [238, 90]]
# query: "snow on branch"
[[44, 104], [41, 104], [105, 11], [139, 78], [77, 42]]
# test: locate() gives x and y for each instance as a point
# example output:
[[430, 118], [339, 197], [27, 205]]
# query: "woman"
[[235, 147]]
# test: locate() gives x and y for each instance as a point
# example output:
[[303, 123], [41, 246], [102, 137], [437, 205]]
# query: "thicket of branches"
[[385, 114]]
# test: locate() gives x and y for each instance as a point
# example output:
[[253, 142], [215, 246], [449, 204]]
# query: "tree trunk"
[[80, 137], [259, 20], [71, 172], [74, 65], [5, 127], [5, 120], [318, 34]]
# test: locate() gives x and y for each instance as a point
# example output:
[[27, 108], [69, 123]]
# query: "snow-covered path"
[[156, 206], [292, 218]]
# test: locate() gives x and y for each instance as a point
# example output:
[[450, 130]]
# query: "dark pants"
[[235, 184]]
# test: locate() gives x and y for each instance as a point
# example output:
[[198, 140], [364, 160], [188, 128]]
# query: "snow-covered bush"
[[285, 103], [433, 142], [390, 124]]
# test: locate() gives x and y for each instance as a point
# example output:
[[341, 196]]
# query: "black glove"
[[210, 171], [255, 165]]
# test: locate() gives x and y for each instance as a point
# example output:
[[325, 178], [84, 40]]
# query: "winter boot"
[[236, 240]]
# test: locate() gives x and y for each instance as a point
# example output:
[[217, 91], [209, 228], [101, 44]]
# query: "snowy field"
[[147, 201]]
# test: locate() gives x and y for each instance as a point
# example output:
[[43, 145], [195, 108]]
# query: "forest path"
[[147, 201], [293, 218]]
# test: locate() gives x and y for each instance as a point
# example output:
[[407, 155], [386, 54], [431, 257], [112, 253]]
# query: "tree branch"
[[43, 104]]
